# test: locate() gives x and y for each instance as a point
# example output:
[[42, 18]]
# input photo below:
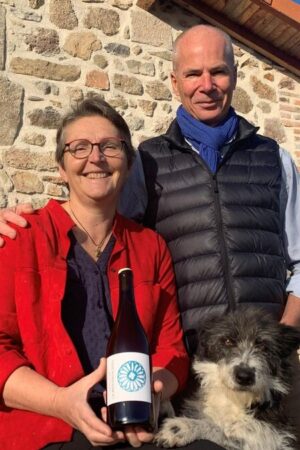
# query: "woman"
[[59, 295]]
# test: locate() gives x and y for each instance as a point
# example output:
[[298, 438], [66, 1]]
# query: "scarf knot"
[[205, 139]]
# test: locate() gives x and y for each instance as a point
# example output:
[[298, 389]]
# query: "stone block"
[[158, 90], [135, 123], [82, 45], [148, 107], [27, 183], [5, 181], [117, 49], [2, 37], [26, 15], [263, 90], [241, 101], [273, 128], [103, 19], [25, 159], [36, 4], [45, 69], [43, 41], [130, 85], [118, 102], [148, 29], [264, 106], [11, 100], [97, 79], [45, 118], [166, 55], [100, 61], [122, 4], [287, 83], [62, 14], [35, 139]]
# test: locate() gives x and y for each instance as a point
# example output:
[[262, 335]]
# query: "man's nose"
[[206, 82]]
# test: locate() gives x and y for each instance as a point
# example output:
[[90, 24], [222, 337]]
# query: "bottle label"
[[128, 378]]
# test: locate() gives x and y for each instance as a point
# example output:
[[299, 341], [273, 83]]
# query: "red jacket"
[[32, 282]]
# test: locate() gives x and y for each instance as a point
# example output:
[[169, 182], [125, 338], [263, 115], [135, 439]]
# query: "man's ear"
[[235, 75], [175, 85]]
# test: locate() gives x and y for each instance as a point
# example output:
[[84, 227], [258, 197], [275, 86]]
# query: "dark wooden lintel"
[[241, 34]]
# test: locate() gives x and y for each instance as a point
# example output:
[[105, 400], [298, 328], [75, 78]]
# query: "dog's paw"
[[175, 432]]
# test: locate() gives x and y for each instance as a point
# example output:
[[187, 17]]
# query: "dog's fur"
[[242, 364]]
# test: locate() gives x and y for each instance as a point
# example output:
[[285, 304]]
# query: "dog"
[[242, 365]]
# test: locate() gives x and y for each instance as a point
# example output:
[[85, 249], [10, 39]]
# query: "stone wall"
[[53, 52]]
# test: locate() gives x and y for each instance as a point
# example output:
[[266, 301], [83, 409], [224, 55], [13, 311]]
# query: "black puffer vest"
[[223, 230]]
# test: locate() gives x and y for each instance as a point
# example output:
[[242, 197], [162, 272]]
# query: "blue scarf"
[[205, 139]]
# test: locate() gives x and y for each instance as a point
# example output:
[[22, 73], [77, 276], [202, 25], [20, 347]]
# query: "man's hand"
[[291, 314], [12, 215]]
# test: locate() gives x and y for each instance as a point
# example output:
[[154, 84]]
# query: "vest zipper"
[[223, 247]]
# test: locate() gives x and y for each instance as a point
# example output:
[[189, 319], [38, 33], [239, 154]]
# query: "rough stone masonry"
[[54, 52]]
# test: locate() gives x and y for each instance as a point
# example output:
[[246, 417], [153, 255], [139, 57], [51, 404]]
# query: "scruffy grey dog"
[[242, 365]]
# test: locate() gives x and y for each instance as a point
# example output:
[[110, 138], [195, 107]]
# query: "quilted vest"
[[223, 229]]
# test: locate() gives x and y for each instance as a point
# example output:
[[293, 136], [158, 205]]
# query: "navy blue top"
[[86, 306]]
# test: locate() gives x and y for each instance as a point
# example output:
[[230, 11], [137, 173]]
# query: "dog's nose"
[[244, 375]]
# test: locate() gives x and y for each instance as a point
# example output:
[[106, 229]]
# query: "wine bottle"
[[128, 364]]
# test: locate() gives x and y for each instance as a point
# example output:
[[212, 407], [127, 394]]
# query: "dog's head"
[[249, 351]]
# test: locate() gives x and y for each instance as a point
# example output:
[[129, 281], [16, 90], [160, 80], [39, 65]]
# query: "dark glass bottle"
[[128, 364]]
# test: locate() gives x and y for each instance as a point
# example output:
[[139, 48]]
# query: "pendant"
[[98, 252]]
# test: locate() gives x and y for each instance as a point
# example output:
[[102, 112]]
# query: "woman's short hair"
[[94, 106]]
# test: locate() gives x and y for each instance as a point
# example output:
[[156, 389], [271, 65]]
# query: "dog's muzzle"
[[244, 375]]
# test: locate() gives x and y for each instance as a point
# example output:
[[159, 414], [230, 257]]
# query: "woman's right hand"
[[12, 215], [71, 405]]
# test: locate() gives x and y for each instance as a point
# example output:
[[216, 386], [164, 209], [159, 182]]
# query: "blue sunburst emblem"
[[131, 376]]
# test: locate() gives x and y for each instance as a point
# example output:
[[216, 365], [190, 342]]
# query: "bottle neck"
[[126, 287]]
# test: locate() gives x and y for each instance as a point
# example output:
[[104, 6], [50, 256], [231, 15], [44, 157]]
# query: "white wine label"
[[128, 378]]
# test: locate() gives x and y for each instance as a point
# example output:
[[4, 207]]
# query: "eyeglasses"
[[82, 148]]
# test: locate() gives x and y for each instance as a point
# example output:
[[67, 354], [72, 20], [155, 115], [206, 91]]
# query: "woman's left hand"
[[137, 435]]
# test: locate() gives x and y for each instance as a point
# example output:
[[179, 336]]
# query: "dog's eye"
[[228, 342]]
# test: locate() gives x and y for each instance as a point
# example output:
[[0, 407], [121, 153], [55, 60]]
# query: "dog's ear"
[[289, 339], [195, 342], [191, 339]]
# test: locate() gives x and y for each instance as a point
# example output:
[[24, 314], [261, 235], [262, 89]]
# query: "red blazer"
[[32, 282]]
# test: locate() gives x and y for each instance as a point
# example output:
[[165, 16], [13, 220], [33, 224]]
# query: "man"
[[225, 198], [220, 223]]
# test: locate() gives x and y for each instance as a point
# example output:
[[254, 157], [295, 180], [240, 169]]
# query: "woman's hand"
[[136, 436], [12, 215], [70, 404]]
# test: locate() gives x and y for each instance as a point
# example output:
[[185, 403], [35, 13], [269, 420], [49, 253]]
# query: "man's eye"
[[219, 72], [192, 74]]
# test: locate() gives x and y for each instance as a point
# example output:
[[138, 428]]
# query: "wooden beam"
[[286, 10], [241, 34]]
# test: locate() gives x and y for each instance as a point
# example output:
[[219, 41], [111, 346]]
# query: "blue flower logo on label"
[[131, 376]]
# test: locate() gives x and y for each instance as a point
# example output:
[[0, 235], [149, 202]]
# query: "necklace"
[[100, 244]]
